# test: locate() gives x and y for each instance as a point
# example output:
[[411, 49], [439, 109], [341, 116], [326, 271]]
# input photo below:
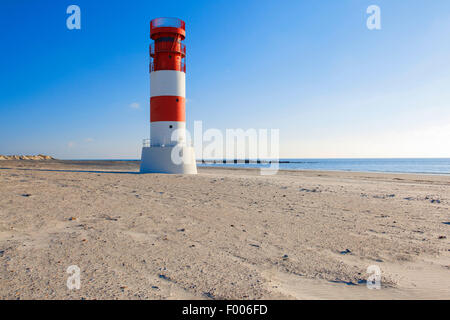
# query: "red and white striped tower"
[[168, 151]]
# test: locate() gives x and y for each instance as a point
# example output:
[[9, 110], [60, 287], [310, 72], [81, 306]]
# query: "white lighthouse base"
[[170, 159]]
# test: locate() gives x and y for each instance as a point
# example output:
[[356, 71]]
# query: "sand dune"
[[17, 157], [221, 234]]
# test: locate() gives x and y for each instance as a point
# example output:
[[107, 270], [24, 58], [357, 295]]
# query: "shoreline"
[[201, 165], [337, 171]]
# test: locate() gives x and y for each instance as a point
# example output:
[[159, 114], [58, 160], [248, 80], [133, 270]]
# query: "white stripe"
[[167, 83], [161, 132]]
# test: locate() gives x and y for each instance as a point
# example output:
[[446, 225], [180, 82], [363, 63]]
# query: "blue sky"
[[309, 68]]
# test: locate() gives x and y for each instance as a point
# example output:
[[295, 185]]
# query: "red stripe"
[[167, 108]]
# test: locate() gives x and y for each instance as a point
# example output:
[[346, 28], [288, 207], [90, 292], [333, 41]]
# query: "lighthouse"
[[167, 150]]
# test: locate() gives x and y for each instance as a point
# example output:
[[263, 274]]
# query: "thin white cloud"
[[88, 140], [134, 105]]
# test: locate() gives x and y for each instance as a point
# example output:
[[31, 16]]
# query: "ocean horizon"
[[387, 165]]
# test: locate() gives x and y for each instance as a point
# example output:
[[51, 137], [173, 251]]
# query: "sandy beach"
[[221, 234]]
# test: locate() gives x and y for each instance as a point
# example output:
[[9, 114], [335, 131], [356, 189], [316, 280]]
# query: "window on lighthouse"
[[167, 39]]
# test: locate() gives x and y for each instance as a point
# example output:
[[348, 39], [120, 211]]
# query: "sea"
[[440, 166]]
